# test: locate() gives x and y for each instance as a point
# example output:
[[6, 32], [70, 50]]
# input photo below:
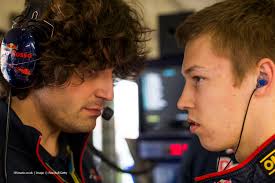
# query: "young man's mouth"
[[193, 125]]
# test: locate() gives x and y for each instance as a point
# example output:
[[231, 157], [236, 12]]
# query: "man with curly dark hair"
[[80, 47]]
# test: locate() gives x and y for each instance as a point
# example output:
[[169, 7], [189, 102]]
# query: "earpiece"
[[262, 80], [261, 83], [18, 57], [20, 48]]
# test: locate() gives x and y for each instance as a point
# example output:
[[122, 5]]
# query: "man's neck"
[[29, 114], [257, 137]]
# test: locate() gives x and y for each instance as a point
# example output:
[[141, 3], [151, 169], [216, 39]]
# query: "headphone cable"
[[7, 137], [241, 131]]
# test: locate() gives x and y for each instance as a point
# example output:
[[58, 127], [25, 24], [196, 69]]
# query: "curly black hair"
[[90, 36]]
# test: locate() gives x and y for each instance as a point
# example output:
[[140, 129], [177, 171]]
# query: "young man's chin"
[[210, 145], [83, 129]]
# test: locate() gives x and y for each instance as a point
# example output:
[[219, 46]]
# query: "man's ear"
[[265, 79]]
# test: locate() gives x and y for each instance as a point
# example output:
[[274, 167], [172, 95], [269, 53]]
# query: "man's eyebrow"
[[192, 68]]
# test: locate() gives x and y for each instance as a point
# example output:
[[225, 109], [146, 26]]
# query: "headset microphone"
[[107, 113]]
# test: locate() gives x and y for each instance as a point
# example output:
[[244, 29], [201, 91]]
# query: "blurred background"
[[147, 132]]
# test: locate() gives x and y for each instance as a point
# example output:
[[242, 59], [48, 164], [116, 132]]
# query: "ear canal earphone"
[[261, 83], [262, 80]]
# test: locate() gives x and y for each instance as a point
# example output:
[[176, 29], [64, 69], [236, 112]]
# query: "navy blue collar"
[[24, 139]]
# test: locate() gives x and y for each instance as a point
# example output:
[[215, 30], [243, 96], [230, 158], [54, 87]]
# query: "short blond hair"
[[241, 30]]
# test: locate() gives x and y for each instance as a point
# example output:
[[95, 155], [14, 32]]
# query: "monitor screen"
[[160, 86]]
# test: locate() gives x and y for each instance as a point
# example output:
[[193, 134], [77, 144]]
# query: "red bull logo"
[[12, 46], [16, 54], [22, 55], [24, 71]]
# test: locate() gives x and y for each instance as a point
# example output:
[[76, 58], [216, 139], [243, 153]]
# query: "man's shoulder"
[[3, 111], [258, 167]]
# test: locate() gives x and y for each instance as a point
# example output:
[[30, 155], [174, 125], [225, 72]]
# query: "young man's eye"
[[197, 79]]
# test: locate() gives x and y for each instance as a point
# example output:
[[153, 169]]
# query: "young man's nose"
[[186, 100]]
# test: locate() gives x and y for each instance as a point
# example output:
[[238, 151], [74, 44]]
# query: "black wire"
[[244, 121], [227, 164], [115, 167], [7, 138], [241, 129]]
